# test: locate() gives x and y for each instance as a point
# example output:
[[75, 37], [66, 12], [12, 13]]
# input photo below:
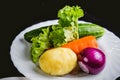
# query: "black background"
[[16, 15]]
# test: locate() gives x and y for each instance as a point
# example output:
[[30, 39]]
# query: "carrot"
[[78, 45]]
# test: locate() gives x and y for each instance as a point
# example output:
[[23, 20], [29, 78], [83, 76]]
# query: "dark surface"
[[17, 15]]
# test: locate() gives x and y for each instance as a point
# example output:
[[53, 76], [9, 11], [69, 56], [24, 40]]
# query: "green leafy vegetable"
[[69, 15], [67, 29], [69, 18], [57, 36], [40, 44]]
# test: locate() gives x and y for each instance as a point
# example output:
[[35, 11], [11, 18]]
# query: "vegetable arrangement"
[[59, 48]]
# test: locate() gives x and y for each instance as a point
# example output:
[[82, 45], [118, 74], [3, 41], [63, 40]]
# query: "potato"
[[58, 61]]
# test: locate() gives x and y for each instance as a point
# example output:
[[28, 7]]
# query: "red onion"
[[92, 61]]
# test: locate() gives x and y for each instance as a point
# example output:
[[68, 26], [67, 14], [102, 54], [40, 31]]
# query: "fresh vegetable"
[[69, 15], [61, 35], [69, 18], [78, 45], [33, 33], [85, 29], [92, 61], [40, 44], [58, 61], [57, 37], [67, 25]]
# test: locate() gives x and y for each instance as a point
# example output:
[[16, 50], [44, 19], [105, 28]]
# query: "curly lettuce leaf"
[[40, 44], [60, 36], [57, 37], [68, 17], [67, 29]]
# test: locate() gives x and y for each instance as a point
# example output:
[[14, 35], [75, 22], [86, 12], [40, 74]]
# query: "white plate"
[[20, 56], [14, 78]]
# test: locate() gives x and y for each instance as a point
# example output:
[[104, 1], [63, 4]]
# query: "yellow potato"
[[58, 61]]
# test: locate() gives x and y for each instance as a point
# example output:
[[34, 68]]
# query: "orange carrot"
[[78, 45]]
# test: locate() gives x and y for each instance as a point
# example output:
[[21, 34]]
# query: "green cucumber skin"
[[90, 29], [33, 33], [84, 29]]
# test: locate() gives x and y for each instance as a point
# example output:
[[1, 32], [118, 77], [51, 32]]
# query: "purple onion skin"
[[93, 59]]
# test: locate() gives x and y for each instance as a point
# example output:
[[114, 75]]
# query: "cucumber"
[[33, 33], [84, 29]]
